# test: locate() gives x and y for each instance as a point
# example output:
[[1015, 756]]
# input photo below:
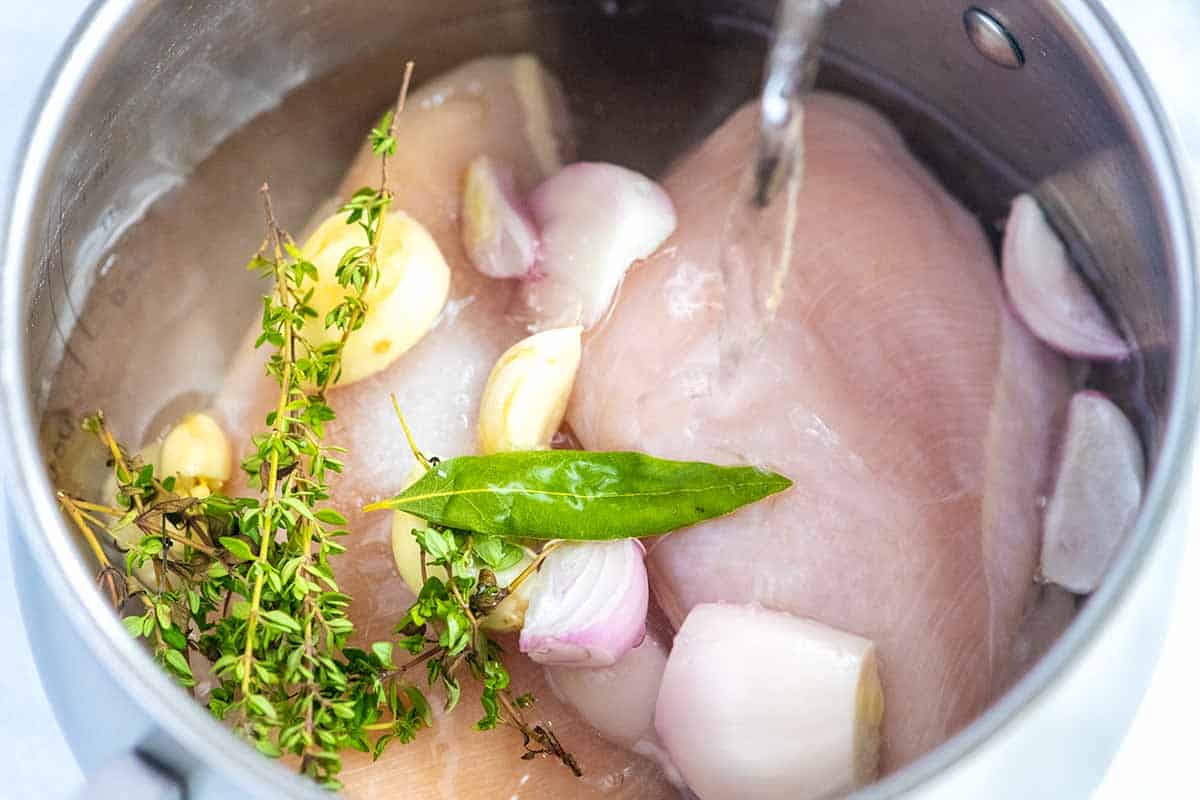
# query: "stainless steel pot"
[[147, 90]]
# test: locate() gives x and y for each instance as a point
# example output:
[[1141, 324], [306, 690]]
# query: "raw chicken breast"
[[512, 110], [887, 380], [452, 760]]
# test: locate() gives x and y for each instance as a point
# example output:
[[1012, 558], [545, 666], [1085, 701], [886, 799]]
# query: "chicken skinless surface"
[[914, 414]]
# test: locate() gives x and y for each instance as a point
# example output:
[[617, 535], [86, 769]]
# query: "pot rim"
[[101, 30]]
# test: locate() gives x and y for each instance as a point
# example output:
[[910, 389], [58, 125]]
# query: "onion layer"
[[1047, 292], [595, 221], [762, 705], [587, 604], [1096, 496]]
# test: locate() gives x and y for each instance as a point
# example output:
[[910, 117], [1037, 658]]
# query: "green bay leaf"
[[579, 495]]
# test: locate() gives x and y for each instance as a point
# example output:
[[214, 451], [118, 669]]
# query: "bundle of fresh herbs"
[[246, 586]]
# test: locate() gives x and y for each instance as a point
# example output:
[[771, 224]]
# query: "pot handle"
[[129, 776]]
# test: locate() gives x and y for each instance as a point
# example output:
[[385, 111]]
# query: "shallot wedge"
[[1097, 494], [1047, 292], [618, 701], [588, 603], [595, 220], [497, 232], [761, 705]]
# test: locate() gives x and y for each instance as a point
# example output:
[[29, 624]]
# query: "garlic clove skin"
[[197, 450], [414, 282], [762, 705], [509, 615], [497, 233], [526, 394], [595, 221], [588, 604]]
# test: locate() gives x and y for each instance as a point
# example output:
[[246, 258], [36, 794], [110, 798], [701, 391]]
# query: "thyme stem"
[[266, 528], [376, 236], [69, 505], [533, 566]]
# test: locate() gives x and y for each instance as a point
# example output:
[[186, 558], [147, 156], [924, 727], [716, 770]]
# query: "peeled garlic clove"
[[595, 221], [1047, 292], [1096, 495], [588, 603], [405, 550], [407, 553], [526, 395], [507, 617], [497, 233], [414, 281], [197, 450], [762, 705]]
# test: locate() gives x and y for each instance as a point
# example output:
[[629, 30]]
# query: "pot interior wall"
[[136, 296]]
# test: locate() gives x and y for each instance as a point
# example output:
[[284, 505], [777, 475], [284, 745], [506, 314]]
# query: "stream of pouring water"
[[756, 243]]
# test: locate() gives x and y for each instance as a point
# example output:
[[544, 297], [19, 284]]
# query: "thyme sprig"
[[442, 630], [169, 542], [245, 586], [247, 583]]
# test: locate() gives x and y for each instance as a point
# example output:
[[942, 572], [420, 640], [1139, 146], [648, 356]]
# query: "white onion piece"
[[1047, 292], [497, 232], [587, 605], [1096, 495], [762, 705], [618, 701], [595, 221]]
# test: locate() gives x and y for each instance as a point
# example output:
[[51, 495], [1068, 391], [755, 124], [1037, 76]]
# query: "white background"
[[1158, 759]]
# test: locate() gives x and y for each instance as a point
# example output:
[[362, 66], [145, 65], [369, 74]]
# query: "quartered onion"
[[595, 221], [587, 605], [761, 705], [1096, 495], [1047, 292]]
